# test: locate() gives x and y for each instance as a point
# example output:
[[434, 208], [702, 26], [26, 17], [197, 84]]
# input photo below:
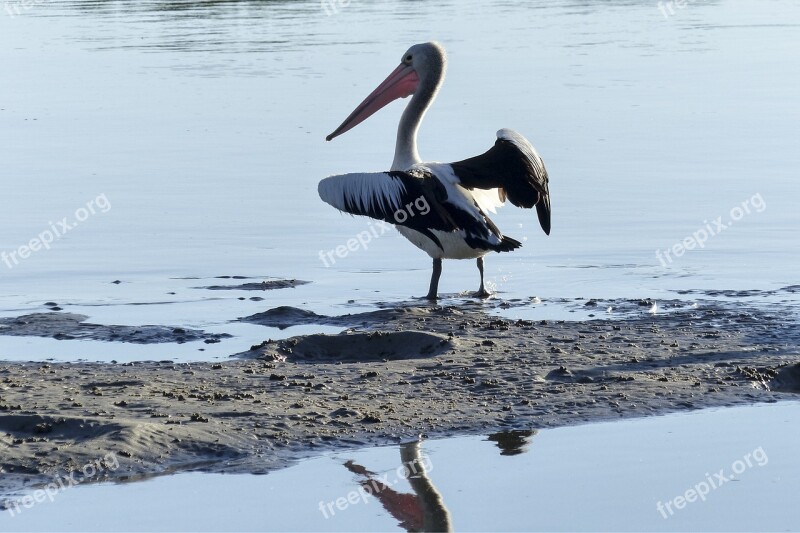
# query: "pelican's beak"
[[400, 84]]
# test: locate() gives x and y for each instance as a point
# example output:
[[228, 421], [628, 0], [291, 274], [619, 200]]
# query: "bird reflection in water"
[[513, 442], [424, 510]]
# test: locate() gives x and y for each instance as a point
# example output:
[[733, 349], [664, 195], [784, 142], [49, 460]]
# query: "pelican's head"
[[422, 67]]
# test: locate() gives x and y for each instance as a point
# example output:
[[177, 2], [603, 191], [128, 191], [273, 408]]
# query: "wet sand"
[[394, 374]]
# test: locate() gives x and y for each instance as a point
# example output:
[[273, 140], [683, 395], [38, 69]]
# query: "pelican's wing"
[[514, 167], [396, 197], [416, 200]]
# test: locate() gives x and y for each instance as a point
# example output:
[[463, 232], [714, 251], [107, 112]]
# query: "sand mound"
[[353, 347], [788, 379], [285, 316]]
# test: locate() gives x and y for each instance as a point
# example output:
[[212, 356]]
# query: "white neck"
[[405, 151]]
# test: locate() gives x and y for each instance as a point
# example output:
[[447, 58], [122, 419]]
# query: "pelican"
[[440, 207]]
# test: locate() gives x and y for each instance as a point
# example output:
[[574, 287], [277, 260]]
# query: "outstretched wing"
[[514, 167], [417, 200]]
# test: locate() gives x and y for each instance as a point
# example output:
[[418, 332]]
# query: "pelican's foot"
[[482, 293], [432, 297]]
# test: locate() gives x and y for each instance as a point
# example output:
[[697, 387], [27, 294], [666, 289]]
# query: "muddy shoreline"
[[397, 373]]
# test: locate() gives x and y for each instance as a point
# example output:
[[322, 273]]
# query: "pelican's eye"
[[409, 58]]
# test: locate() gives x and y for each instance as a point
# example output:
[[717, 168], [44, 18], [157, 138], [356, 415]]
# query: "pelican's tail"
[[507, 244]]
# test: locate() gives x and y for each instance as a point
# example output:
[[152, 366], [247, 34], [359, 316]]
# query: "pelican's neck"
[[405, 152]]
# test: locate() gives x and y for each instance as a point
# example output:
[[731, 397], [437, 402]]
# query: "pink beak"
[[401, 83]]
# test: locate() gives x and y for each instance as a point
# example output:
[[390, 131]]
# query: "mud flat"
[[71, 326], [394, 374]]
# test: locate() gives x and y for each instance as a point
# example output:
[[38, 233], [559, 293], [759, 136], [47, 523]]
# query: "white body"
[[455, 247]]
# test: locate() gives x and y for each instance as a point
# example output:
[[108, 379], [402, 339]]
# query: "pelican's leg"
[[437, 272], [482, 292]]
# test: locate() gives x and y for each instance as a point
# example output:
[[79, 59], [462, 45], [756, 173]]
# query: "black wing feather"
[[517, 171], [436, 212]]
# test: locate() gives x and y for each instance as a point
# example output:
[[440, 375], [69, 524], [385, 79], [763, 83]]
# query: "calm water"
[[597, 477], [195, 132], [189, 138]]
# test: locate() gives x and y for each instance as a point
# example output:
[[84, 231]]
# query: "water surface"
[[202, 124], [596, 477]]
